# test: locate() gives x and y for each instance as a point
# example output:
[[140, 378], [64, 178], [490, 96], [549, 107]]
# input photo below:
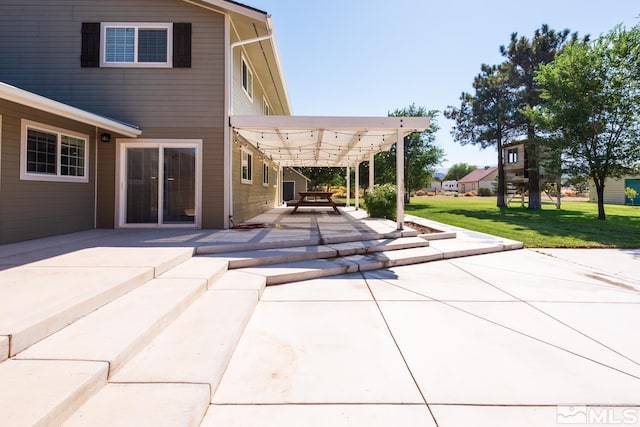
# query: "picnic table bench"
[[315, 199]]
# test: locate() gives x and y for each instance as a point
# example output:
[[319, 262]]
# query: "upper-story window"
[[53, 154], [266, 110], [247, 79], [136, 45], [512, 155]]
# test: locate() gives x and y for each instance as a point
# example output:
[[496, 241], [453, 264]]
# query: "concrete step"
[[42, 297], [171, 381], [116, 331], [46, 392], [38, 301], [158, 405], [197, 346], [236, 280], [312, 269], [254, 258]]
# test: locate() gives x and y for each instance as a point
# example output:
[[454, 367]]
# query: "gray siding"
[[33, 209], [40, 43], [181, 97], [252, 199], [301, 184], [242, 104]]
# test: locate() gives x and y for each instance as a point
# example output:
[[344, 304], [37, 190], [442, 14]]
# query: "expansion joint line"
[[395, 342], [555, 319]]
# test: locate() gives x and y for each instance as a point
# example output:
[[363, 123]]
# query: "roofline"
[[293, 169], [418, 124], [29, 99], [247, 6], [276, 54], [227, 6], [491, 169], [236, 7]]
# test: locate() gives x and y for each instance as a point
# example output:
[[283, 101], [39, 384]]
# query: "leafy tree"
[[524, 58], [486, 118], [579, 182], [459, 170], [592, 106], [421, 155]]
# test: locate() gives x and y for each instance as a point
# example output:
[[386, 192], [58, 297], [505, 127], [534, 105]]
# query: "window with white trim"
[[136, 44], [52, 154], [265, 174], [266, 110], [512, 155], [247, 79], [246, 176]]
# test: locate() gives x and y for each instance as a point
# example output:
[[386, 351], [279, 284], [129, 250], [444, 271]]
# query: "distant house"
[[292, 183], [614, 190], [434, 185], [477, 179]]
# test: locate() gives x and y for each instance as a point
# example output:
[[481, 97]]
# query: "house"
[[202, 86], [53, 189], [614, 191], [479, 178], [293, 181], [435, 185]]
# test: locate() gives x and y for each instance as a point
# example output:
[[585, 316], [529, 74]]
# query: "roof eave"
[[29, 99]]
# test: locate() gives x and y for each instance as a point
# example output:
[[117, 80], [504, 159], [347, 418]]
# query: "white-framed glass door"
[[160, 184]]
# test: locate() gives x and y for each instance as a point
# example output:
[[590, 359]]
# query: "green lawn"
[[574, 226]]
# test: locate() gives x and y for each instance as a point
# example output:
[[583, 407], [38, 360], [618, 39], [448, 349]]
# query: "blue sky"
[[369, 57]]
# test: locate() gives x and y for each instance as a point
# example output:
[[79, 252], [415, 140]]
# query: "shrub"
[[381, 201], [484, 192], [470, 194], [420, 193]]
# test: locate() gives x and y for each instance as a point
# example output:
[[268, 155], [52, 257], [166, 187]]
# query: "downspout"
[[230, 111], [95, 181]]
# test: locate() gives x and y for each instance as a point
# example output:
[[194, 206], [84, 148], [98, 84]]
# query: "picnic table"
[[315, 199]]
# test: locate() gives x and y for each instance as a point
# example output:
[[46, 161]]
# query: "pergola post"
[[371, 171], [348, 185], [400, 179], [357, 202]]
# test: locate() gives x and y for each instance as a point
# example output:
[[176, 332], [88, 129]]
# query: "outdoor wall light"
[[105, 137]]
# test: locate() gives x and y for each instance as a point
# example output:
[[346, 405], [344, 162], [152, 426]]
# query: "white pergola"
[[330, 142]]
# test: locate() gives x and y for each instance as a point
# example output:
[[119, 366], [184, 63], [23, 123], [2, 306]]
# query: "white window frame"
[[266, 170], [245, 68], [59, 132], [136, 26], [266, 109], [246, 162], [512, 154]]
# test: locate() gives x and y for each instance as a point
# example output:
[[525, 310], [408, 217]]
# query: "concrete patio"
[[177, 328]]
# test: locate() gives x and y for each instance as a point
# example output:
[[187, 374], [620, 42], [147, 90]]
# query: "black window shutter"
[[182, 45], [90, 56]]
